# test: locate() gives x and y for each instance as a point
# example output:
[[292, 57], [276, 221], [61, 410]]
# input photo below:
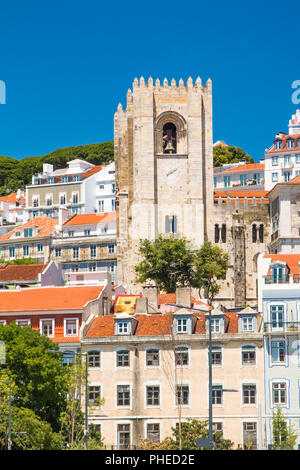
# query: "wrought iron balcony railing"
[[279, 326]]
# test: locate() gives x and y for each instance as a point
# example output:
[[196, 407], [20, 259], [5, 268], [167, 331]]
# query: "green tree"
[[167, 261], [40, 378], [210, 265], [190, 432], [284, 435], [29, 432], [230, 154]]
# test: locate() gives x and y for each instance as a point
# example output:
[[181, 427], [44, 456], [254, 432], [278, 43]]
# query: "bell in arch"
[[169, 147]]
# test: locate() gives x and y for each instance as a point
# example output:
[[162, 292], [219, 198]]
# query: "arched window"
[[169, 138]]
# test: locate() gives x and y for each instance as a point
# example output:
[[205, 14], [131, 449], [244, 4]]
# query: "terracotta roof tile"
[[292, 261], [46, 224], [80, 219], [26, 272], [48, 298], [246, 167]]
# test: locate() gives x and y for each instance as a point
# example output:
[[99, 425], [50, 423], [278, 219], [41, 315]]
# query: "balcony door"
[[277, 317]]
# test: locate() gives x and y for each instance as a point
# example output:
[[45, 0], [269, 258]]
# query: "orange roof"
[[46, 224], [25, 272], [80, 219], [292, 261], [12, 198], [152, 325], [247, 167], [284, 148], [240, 193], [48, 298], [171, 299]]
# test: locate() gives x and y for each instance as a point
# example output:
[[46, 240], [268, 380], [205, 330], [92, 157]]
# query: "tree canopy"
[[230, 154]]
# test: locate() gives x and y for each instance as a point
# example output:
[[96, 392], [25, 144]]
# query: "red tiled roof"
[[80, 219], [26, 272], [284, 148], [12, 198], [291, 260], [48, 298], [241, 193], [46, 224], [171, 299], [247, 167]]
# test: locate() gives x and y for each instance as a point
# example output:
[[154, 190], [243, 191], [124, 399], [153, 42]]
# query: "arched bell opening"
[[169, 138]]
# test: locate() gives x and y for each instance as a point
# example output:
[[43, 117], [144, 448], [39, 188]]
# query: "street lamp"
[[9, 414], [86, 431]]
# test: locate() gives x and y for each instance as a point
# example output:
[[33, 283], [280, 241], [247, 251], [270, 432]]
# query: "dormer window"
[[64, 179], [215, 325], [290, 143], [76, 178], [181, 325], [247, 324], [125, 324], [183, 322], [278, 273], [50, 180], [123, 327], [278, 144]]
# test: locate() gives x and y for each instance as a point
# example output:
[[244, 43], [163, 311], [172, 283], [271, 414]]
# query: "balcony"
[[281, 327], [284, 279]]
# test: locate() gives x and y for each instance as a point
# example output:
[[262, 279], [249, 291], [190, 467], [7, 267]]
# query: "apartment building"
[[241, 175], [282, 159], [279, 300], [151, 368], [12, 209], [30, 275], [73, 187], [86, 243]]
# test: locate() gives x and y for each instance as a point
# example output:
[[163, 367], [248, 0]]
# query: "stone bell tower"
[[164, 166]]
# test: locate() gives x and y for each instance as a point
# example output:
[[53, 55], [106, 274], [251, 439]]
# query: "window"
[[123, 327], [49, 200], [152, 357], [35, 214], [28, 232], [181, 325], [26, 250], [275, 162], [181, 356], [47, 327], [217, 233], [287, 161], [216, 355], [50, 180], [123, 395], [243, 180], [215, 325], [217, 394], [249, 394], [256, 177], [152, 395], [113, 187], [261, 233], [123, 436], [254, 233], [247, 323], [290, 143], [75, 210], [223, 233], [94, 358], [279, 393], [169, 138], [93, 251], [286, 176], [57, 252], [153, 432], [215, 181], [92, 267], [250, 435], [94, 394], [64, 179], [278, 351], [113, 205], [62, 199], [40, 247], [171, 224], [11, 251], [35, 201], [298, 158], [218, 428], [76, 178], [75, 252], [23, 323], [71, 327], [248, 355], [123, 358], [277, 313], [71, 233], [226, 180], [274, 177], [111, 248], [75, 198], [101, 205], [278, 145], [101, 186], [87, 233], [182, 395]]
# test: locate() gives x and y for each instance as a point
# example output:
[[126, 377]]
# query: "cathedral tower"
[[164, 166]]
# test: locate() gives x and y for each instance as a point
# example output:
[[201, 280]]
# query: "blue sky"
[[67, 64]]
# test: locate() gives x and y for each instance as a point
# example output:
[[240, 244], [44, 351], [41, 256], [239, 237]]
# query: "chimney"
[[183, 296], [151, 293], [141, 305], [47, 168], [62, 215]]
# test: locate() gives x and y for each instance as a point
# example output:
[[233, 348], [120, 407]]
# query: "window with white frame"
[[182, 325], [75, 252], [247, 323], [274, 177], [40, 247], [248, 355], [298, 158], [123, 327], [62, 199], [249, 394], [23, 323], [217, 394], [11, 251], [275, 161], [35, 201], [101, 205], [181, 356], [226, 181], [49, 199], [94, 394], [278, 351], [215, 325], [152, 357], [153, 432], [182, 394], [75, 198], [58, 252], [71, 326], [152, 395], [123, 436], [279, 393], [71, 233], [123, 358], [47, 327], [218, 428], [277, 316], [25, 250], [93, 249], [94, 358], [87, 232], [111, 248], [216, 355], [123, 395]]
